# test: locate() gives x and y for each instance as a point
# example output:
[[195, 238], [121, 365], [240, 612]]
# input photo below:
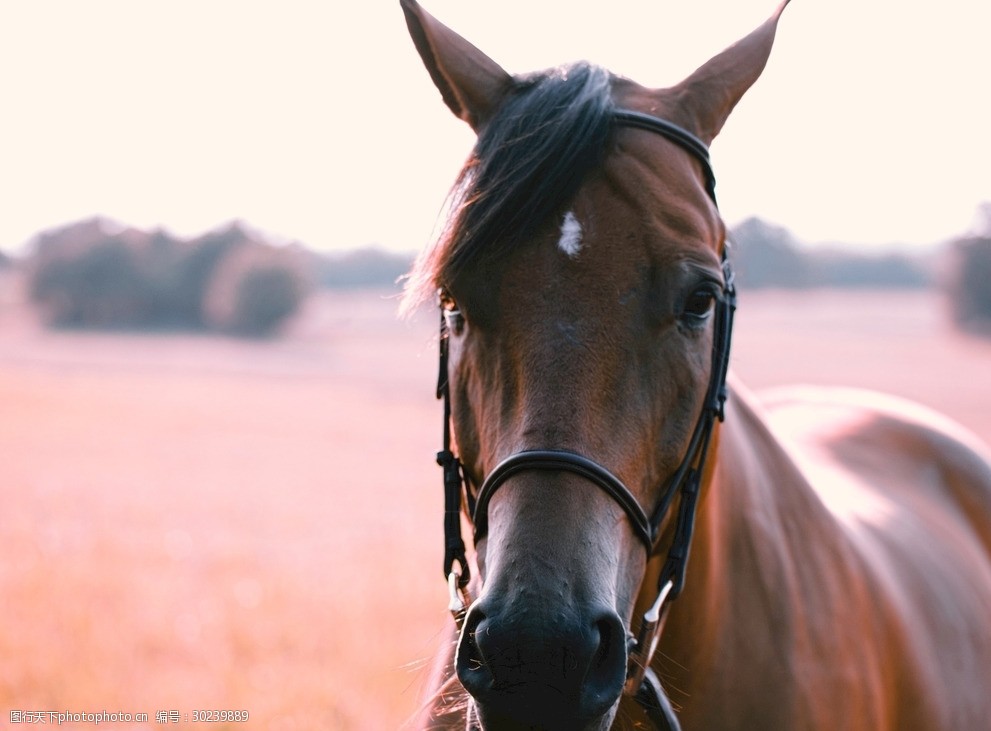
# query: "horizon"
[[328, 131]]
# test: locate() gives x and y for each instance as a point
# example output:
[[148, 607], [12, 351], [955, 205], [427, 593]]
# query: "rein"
[[641, 683]]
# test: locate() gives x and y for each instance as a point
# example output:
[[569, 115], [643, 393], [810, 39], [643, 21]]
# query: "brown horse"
[[840, 543]]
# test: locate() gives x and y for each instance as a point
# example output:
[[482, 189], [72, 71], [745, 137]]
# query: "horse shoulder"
[[912, 491], [890, 453], [792, 600]]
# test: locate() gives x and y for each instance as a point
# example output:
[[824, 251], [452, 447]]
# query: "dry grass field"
[[194, 523]]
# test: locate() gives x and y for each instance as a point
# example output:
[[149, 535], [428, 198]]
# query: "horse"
[[839, 541]]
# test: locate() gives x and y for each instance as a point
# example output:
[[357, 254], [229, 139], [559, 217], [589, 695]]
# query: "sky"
[[315, 121]]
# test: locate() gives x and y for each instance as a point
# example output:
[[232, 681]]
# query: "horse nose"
[[562, 671]]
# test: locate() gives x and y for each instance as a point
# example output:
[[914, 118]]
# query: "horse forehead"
[[644, 207], [641, 215], [626, 231]]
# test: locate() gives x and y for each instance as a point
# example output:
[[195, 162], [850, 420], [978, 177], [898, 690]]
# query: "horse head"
[[580, 276]]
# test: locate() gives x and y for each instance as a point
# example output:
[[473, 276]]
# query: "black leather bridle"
[[642, 683]]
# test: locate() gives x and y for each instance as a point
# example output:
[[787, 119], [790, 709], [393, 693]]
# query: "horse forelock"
[[527, 163]]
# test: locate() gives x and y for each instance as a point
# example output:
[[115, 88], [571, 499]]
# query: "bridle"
[[641, 683]]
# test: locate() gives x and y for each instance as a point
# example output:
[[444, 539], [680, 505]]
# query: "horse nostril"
[[473, 672], [607, 667]]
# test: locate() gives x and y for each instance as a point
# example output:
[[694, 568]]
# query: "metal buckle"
[[656, 704], [650, 632], [460, 598]]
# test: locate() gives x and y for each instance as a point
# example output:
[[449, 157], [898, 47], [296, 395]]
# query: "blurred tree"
[[833, 268], [768, 256], [970, 283], [367, 267], [264, 299], [969, 280], [254, 290], [101, 275], [197, 269], [102, 286]]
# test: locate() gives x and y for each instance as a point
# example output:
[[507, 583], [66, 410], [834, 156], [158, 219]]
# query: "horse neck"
[[763, 540]]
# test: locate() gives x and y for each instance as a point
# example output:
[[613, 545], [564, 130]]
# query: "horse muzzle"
[[547, 670]]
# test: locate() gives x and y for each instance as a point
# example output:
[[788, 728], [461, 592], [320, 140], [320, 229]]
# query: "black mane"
[[527, 164]]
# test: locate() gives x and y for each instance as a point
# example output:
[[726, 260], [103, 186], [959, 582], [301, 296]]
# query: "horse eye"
[[698, 305], [452, 313], [455, 321]]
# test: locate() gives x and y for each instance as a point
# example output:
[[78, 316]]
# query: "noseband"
[[642, 683]]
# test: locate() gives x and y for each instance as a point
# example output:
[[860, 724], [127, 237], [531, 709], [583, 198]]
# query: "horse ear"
[[710, 93], [471, 83]]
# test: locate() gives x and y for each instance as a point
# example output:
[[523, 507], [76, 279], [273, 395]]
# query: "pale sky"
[[315, 120]]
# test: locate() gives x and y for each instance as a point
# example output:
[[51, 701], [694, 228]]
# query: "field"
[[197, 523]]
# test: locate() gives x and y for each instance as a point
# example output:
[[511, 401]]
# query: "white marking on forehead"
[[571, 235]]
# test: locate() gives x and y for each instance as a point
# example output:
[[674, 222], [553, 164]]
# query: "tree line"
[[97, 274]]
